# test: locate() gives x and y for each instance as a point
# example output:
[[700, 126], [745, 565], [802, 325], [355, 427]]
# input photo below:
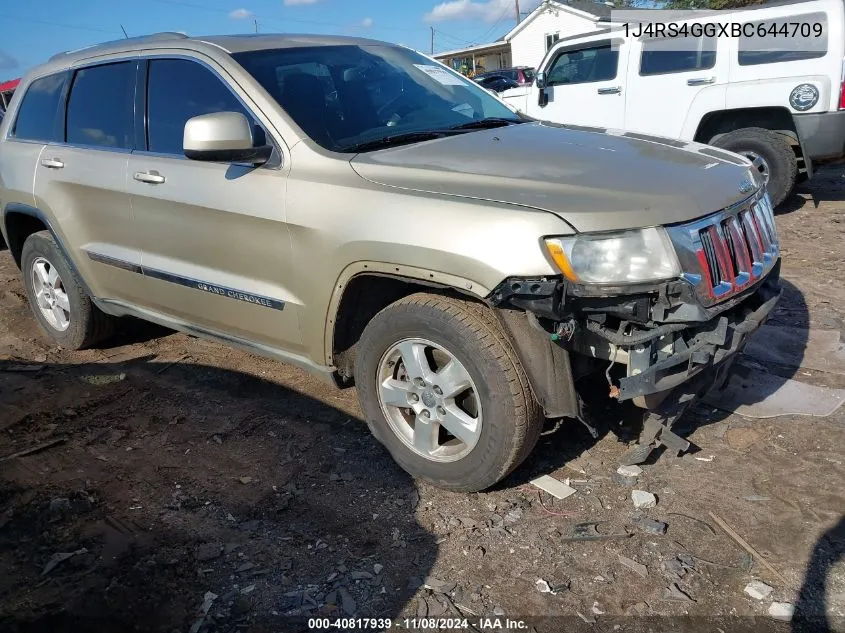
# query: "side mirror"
[[541, 80], [223, 137]]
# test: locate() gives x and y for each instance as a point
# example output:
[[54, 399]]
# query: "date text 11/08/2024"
[[411, 624]]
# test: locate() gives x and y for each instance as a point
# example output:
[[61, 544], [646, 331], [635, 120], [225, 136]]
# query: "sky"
[[36, 29]]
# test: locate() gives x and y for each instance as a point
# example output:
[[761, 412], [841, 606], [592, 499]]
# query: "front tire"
[[62, 308], [443, 390], [771, 155]]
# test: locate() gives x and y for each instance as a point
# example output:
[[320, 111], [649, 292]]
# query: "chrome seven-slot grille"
[[725, 253]]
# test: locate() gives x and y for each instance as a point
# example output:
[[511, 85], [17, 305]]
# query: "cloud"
[[241, 14], [7, 62], [489, 11], [367, 23], [293, 3]]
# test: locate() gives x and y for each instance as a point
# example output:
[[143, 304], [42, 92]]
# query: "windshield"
[[347, 96], [529, 74]]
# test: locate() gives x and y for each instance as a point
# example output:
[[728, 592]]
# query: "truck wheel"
[[770, 154], [63, 310], [443, 390]]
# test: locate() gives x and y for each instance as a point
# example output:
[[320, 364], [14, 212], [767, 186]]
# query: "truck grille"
[[725, 253]]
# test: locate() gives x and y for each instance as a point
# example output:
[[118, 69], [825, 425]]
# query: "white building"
[[552, 21], [527, 43]]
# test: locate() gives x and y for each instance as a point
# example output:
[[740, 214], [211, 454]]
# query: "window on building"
[[677, 54], [551, 38]]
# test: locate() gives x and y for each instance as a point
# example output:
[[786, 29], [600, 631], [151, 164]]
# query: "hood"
[[594, 179]]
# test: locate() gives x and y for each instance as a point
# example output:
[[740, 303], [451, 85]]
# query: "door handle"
[[52, 163], [149, 177], [615, 90], [700, 81]]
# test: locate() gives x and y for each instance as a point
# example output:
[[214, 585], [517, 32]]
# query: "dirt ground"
[[195, 488]]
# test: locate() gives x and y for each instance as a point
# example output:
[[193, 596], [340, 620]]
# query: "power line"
[[59, 24], [492, 28], [452, 37]]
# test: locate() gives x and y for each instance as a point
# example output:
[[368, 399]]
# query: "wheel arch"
[[720, 122], [22, 220], [365, 288]]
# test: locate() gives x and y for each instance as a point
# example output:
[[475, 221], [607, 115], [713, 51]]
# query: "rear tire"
[[778, 157], [64, 311], [509, 419]]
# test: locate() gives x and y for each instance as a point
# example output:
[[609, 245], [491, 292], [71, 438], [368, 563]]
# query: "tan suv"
[[361, 211]]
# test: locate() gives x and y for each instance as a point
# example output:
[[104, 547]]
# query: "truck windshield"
[[349, 98]]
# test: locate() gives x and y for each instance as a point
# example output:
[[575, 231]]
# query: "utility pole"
[[432, 40], [517, 11]]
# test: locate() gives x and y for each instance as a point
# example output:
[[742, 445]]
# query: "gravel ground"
[[184, 486]]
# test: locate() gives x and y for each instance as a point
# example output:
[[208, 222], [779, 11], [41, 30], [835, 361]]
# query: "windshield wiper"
[[483, 124], [417, 137], [394, 140]]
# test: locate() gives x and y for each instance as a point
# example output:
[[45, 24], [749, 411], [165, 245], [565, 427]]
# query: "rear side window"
[[39, 111], [584, 66], [784, 40], [177, 90], [677, 54], [101, 107]]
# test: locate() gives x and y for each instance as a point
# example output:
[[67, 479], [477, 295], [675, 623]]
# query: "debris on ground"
[[556, 488], [439, 586], [99, 380], [650, 526], [638, 568], [590, 532], [674, 593], [630, 471], [43, 446], [754, 553], [207, 600], [60, 557], [643, 499], [543, 586], [588, 620], [758, 590], [246, 480], [782, 610]]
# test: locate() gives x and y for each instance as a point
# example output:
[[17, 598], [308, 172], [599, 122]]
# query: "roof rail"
[[153, 37]]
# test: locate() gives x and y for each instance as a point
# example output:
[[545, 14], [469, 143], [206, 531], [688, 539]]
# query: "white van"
[[782, 109]]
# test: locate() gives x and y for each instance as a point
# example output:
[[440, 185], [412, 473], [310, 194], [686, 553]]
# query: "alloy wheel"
[[429, 400]]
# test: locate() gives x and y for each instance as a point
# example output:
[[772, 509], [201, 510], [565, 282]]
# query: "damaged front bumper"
[[663, 335], [658, 368]]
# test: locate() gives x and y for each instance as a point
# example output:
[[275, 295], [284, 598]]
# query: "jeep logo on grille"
[[745, 186]]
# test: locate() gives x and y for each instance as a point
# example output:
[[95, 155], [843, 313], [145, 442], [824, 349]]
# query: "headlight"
[[615, 258]]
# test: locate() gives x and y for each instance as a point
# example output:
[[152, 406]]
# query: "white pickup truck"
[[778, 103]]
